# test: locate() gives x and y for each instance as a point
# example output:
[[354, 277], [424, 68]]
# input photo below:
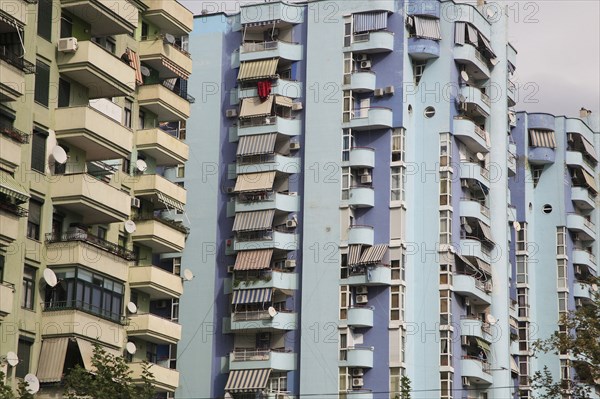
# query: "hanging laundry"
[[264, 89]]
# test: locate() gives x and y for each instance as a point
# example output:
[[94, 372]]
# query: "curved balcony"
[[262, 321], [581, 257], [166, 149], [373, 42], [467, 13], [160, 55], [362, 157], [423, 49], [582, 197], [371, 118], [250, 359], [576, 125], [165, 379], [363, 82], [361, 357], [472, 170], [576, 159], [167, 105], [274, 279], [364, 235], [153, 328], [106, 17], [280, 163], [279, 201], [475, 138], [475, 63], [477, 102], [275, 49], [272, 239], [275, 11], [583, 227], [372, 275], [474, 327], [360, 317], [270, 124], [362, 197], [153, 187], [65, 321], [476, 370], [469, 286], [283, 87], [541, 121], [473, 247], [474, 209], [583, 290], [541, 155]]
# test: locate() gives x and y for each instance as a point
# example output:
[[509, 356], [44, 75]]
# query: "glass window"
[[34, 219], [44, 19], [127, 113], [398, 144], [24, 354], [42, 83], [397, 183], [66, 26], [64, 93], [38, 151], [28, 289]]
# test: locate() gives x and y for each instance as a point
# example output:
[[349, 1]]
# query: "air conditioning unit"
[[362, 57], [135, 202], [290, 263], [362, 290], [230, 269], [389, 90], [230, 190], [296, 106], [357, 382], [464, 340], [366, 179], [67, 44], [378, 93], [294, 145], [291, 223], [365, 64], [357, 372], [362, 299], [231, 113], [466, 382]]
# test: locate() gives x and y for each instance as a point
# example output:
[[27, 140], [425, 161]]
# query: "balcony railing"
[[485, 366], [14, 209], [171, 223], [85, 307], [16, 60], [181, 93], [357, 114], [364, 37], [15, 134], [485, 286], [91, 239], [262, 46], [485, 98], [255, 315], [251, 354]]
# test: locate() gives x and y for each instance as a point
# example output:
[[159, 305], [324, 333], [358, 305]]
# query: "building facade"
[[93, 106]]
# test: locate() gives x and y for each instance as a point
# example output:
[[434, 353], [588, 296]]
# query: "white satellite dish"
[[12, 359], [595, 287], [517, 225], [145, 71], [490, 13], [464, 75], [480, 156], [169, 38], [33, 384], [491, 319], [272, 311], [130, 226], [132, 307], [50, 277], [467, 228], [141, 165], [130, 348], [59, 154], [494, 61], [188, 275]]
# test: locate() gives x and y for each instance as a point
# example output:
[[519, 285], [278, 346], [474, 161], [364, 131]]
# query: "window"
[[445, 348], [419, 69], [397, 303], [398, 144], [348, 113], [395, 382], [561, 248], [445, 227], [127, 113], [177, 266], [64, 93], [1, 268], [344, 266], [445, 149], [344, 301], [347, 143], [44, 18], [397, 183], [446, 384], [180, 171], [445, 309], [38, 151], [66, 26], [28, 291], [522, 272], [102, 232], [42, 82], [348, 32], [346, 183], [562, 303], [144, 31], [343, 345], [151, 352], [562, 273], [175, 310], [34, 219], [24, 354]]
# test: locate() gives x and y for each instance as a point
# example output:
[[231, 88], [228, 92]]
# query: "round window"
[[429, 112], [547, 208]]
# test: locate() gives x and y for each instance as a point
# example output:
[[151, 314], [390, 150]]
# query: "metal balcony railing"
[[16, 60], [14, 133], [14, 209], [91, 239], [169, 222]]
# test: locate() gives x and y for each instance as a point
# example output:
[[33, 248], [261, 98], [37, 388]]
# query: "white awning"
[[428, 28], [254, 107], [52, 359], [262, 181], [542, 138], [370, 21]]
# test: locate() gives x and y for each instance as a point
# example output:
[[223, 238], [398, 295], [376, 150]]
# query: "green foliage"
[[405, 388], [6, 391]]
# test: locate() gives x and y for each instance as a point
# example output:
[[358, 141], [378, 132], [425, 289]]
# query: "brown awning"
[[484, 266], [52, 359], [589, 148], [542, 138], [247, 380], [257, 144], [486, 231], [176, 69], [284, 101], [253, 260], [258, 69], [262, 181], [253, 107], [465, 260], [373, 254], [354, 252], [254, 221], [589, 180]]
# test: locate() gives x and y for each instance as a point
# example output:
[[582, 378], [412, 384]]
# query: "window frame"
[[28, 287]]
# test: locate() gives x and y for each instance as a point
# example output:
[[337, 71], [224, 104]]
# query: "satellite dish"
[[467, 228], [141, 165], [50, 277], [33, 384], [490, 12], [272, 311], [130, 226], [494, 61], [452, 250], [145, 71], [480, 156], [130, 348], [12, 359], [132, 307], [59, 154], [169, 38], [188, 275], [517, 225], [491, 319], [464, 75], [595, 287]]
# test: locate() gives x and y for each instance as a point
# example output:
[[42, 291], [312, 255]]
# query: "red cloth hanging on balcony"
[[264, 89]]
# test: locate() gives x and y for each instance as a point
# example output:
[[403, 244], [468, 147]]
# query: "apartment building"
[[93, 107]]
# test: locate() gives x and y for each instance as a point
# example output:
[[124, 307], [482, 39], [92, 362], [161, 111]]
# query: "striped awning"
[[486, 231], [284, 101], [254, 70], [472, 36], [513, 365], [369, 21], [589, 180], [254, 221], [11, 188], [459, 33], [487, 46], [354, 252], [482, 344], [427, 27], [261, 295], [176, 69], [257, 144], [249, 182], [169, 202], [247, 380], [373, 254], [52, 359], [253, 260], [542, 138], [254, 107], [589, 148], [484, 266], [134, 62]]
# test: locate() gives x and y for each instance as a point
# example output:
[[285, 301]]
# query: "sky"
[[558, 45]]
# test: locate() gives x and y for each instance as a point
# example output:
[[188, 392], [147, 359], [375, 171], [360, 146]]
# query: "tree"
[[110, 379], [6, 391], [578, 336], [404, 388]]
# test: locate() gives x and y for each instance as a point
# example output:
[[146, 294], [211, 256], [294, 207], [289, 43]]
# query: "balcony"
[[155, 187], [511, 163], [583, 198], [250, 359], [166, 149], [270, 124], [422, 49], [477, 291], [476, 370], [360, 317], [474, 209], [161, 235], [581, 257], [153, 328], [280, 163], [16, 9], [164, 58], [472, 247], [477, 102], [541, 155], [287, 241], [472, 170], [81, 248], [156, 282], [371, 275], [371, 119], [585, 228], [472, 326], [372, 42], [261, 320], [362, 157], [13, 69], [9, 228], [282, 87], [475, 138], [359, 394], [7, 293], [363, 81], [96, 201], [280, 201], [359, 234], [361, 357], [104, 74], [511, 92], [167, 105], [271, 279], [88, 129], [576, 159], [70, 320], [10, 147], [583, 290], [275, 11], [511, 54], [170, 16], [576, 125], [276, 49], [361, 197], [165, 379], [106, 17], [475, 63]]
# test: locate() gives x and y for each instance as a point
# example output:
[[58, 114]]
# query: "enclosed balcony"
[[373, 42], [476, 370], [266, 163], [91, 198], [165, 379], [167, 105], [284, 240], [161, 192], [165, 58], [472, 170], [360, 234], [362, 157], [262, 321], [161, 235], [371, 118], [422, 49], [269, 124], [267, 13], [477, 102], [280, 201], [582, 257], [474, 137], [371, 275], [170, 16], [69, 321], [276, 49], [13, 69], [361, 197], [106, 17], [153, 329], [576, 125], [363, 81], [474, 327], [166, 149], [88, 129], [584, 227], [156, 282], [583, 198], [360, 316], [476, 290], [251, 358], [361, 357], [7, 293], [103, 73], [269, 279], [475, 63], [473, 208]]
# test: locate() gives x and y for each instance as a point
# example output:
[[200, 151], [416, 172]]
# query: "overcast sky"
[[558, 44]]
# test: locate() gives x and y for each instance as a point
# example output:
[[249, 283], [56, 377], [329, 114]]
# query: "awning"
[[176, 69], [253, 221], [262, 181], [134, 62], [459, 33], [484, 266], [169, 202], [589, 180], [513, 365], [258, 69], [369, 21], [486, 231], [52, 359], [247, 380], [86, 349], [472, 36], [254, 107], [261, 295], [542, 138], [427, 27], [482, 344], [284, 101], [354, 254], [465, 260], [589, 148], [253, 260], [487, 46], [373, 254], [10, 187], [257, 144]]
